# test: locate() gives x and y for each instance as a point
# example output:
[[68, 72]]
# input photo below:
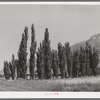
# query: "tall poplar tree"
[[62, 60], [41, 62], [68, 58], [22, 55], [82, 60], [55, 63], [32, 52], [76, 64], [95, 61], [12, 67], [47, 53], [87, 59], [6, 70]]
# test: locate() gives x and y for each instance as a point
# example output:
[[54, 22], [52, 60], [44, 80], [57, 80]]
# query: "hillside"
[[94, 41], [1, 72]]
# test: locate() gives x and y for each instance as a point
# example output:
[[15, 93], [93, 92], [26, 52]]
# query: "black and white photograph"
[[51, 48]]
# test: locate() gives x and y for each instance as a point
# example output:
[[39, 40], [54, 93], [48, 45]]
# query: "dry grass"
[[80, 87], [68, 84], [26, 85]]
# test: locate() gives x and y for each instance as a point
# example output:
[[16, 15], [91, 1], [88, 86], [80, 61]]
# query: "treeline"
[[49, 62]]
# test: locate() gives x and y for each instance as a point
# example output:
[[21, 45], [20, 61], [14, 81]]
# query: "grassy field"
[[68, 84], [82, 87]]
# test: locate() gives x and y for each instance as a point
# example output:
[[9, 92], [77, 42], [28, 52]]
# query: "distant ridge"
[[1, 72], [94, 41]]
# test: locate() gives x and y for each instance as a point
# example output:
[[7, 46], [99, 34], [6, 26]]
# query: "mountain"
[[1, 72], [94, 41]]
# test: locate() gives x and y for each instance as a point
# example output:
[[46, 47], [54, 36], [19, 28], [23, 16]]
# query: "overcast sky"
[[65, 23]]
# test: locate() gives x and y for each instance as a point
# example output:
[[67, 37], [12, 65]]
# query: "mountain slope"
[[1, 72], [94, 41]]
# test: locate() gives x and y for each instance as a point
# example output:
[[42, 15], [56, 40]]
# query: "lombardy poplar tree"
[[95, 61], [12, 66], [47, 54], [22, 55], [82, 61], [76, 65], [68, 58], [87, 58], [90, 60], [6, 70], [62, 60], [40, 62], [55, 63], [32, 52]]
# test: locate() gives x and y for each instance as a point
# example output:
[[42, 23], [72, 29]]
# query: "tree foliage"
[[62, 60], [6, 70], [95, 61], [68, 58], [40, 62], [12, 67], [83, 62], [76, 64], [55, 63], [32, 52], [22, 55], [47, 55]]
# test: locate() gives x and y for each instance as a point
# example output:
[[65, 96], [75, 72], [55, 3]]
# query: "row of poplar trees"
[[61, 62]]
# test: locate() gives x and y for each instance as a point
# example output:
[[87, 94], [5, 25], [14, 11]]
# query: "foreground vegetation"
[[76, 84], [93, 87]]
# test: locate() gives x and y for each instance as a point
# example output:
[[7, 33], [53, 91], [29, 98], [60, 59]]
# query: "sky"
[[73, 23]]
